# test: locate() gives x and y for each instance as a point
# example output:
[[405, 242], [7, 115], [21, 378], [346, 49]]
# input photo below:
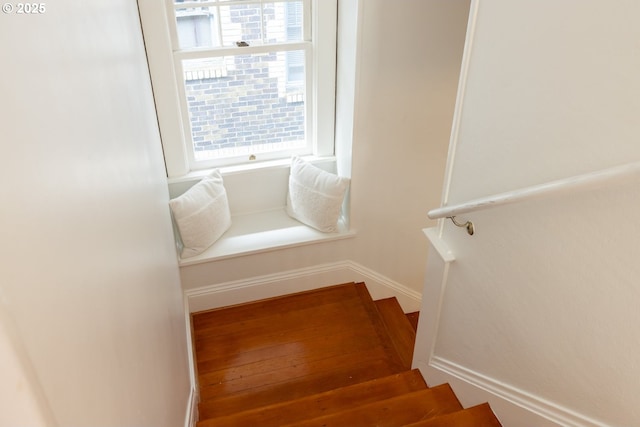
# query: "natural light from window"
[[245, 78], [241, 82]]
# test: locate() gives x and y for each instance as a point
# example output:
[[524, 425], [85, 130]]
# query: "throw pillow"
[[202, 214], [315, 196]]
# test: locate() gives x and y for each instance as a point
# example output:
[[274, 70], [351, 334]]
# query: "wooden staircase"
[[328, 357]]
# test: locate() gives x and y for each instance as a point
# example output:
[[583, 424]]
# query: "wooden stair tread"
[[402, 333], [477, 416], [382, 327], [311, 384], [265, 352], [413, 319], [273, 339], [321, 404], [395, 411], [203, 320], [299, 378]]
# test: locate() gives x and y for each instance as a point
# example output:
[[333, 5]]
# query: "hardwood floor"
[[324, 357], [413, 319]]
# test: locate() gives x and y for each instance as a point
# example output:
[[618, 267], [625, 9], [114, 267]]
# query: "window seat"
[[259, 221], [261, 232]]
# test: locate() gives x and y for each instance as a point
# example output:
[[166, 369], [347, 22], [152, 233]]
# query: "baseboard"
[[273, 285], [515, 406], [380, 286], [191, 416]]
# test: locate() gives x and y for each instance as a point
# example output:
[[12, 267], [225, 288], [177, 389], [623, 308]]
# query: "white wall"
[[540, 305], [409, 66], [92, 322], [404, 90]]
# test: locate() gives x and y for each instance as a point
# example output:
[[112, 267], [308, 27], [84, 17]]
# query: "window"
[[294, 27], [252, 79], [196, 27]]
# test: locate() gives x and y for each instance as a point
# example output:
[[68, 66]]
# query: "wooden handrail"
[[584, 181]]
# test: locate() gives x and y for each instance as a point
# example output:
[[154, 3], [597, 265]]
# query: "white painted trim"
[[437, 312], [442, 248], [157, 41], [579, 182], [383, 287], [459, 106], [432, 297], [537, 405], [321, 112], [278, 284], [266, 286], [191, 416]]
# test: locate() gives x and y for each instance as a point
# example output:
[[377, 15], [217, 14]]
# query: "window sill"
[[263, 232], [197, 175]]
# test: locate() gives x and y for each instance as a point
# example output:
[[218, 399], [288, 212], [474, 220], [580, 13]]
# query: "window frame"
[[173, 116]]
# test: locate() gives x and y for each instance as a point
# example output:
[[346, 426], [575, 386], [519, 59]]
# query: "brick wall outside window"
[[245, 100], [243, 108]]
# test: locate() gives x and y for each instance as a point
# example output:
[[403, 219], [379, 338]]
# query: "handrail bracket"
[[468, 225]]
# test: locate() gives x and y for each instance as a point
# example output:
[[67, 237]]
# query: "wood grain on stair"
[[403, 336], [212, 321], [325, 403], [269, 351], [328, 357], [280, 335], [477, 416], [395, 411], [313, 383], [413, 319]]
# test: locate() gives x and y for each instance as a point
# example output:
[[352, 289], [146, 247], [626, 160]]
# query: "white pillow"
[[315, 196], [202, 214]]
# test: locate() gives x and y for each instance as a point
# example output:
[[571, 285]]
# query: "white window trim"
[[171, 117]]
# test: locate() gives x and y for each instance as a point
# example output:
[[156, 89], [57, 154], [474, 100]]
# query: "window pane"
[[253, 23], [241, 22], [244, 106], [197, 27], [283, 22]]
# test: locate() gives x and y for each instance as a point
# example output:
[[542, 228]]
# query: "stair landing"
[[279, 349]]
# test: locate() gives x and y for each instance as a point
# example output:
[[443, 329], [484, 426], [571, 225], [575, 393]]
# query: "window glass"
[[252, 23], [283, 22], [243, 104], [196, 27]]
